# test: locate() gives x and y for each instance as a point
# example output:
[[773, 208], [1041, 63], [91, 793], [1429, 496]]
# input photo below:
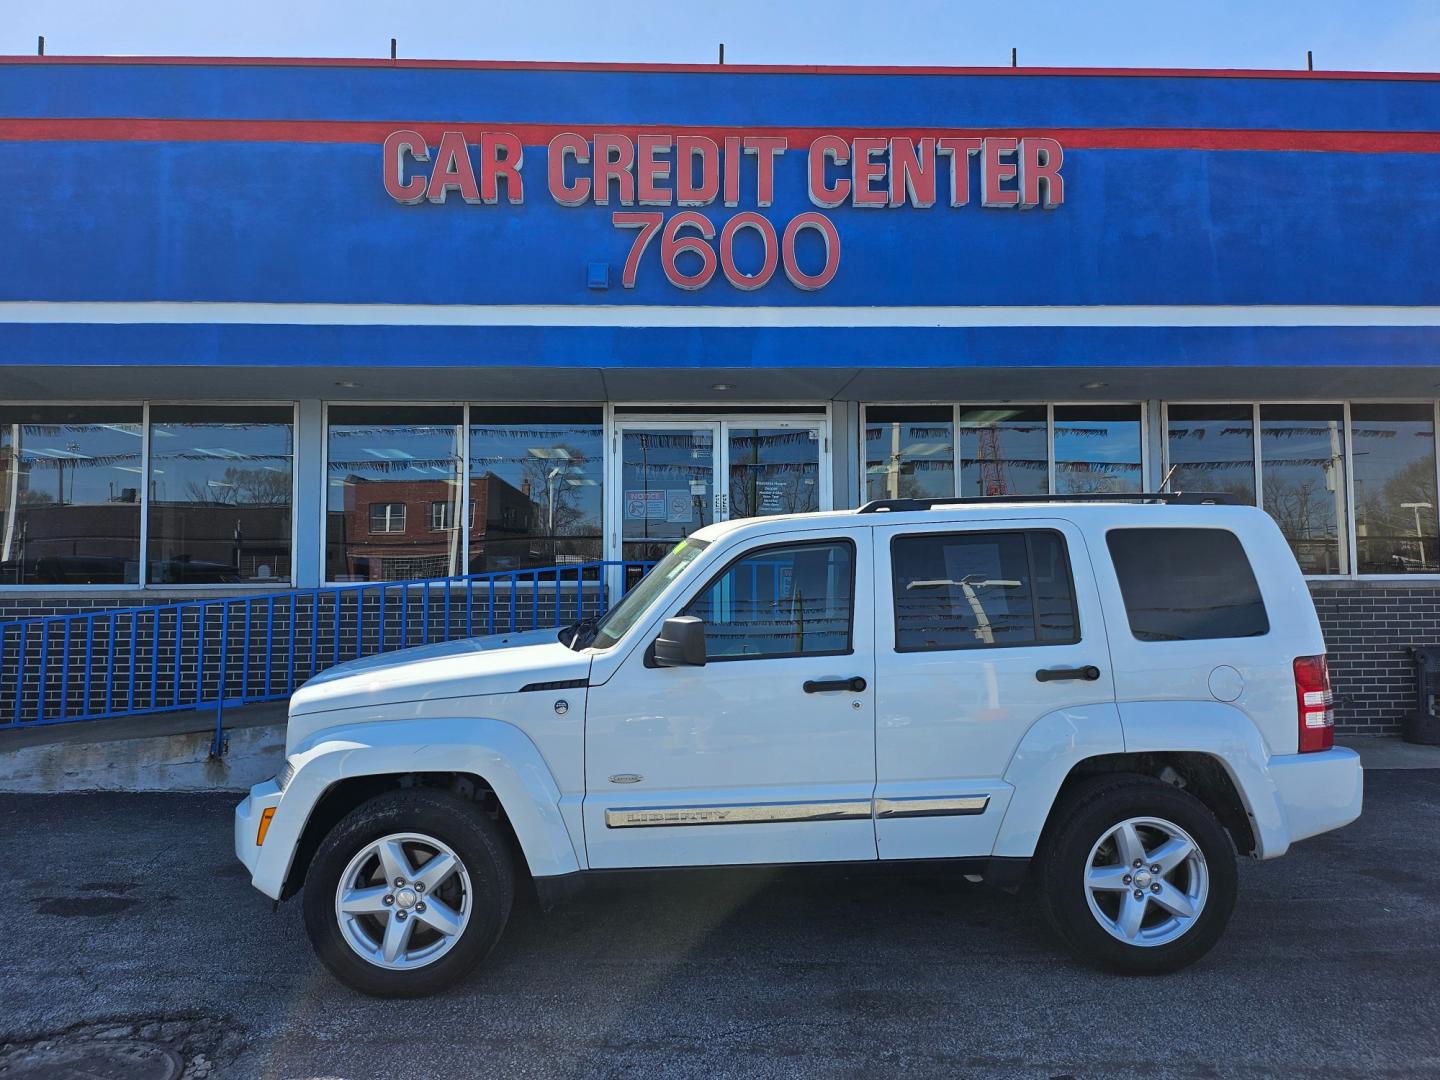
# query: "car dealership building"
[[273, 324]]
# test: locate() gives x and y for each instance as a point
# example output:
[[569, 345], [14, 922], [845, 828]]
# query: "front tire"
[[409, 893], [1137, 876]]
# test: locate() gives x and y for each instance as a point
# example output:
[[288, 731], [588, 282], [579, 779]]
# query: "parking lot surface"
[[127, 916]]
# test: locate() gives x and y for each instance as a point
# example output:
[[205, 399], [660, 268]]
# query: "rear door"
[[981, 630]]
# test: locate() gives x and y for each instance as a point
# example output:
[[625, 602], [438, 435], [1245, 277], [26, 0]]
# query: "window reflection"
[[70, 483], [386, 467], [536, 487], [1393, 453], [666, 492], [1003, 451], [1212, 448], [909, 452], [795, 600], [1097, 449], [1302, 458], [220, 494], [774, 471]]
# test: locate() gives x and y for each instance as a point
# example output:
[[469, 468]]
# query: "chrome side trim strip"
[[640, 817], [925, 806]]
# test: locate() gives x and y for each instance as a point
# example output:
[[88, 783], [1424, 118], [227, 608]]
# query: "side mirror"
[[681, 642]]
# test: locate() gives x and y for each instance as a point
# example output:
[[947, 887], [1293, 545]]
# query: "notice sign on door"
[[640, 505], [679, 507], [771, 496]]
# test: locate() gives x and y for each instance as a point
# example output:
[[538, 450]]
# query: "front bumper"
[[262, 797], [1318, 792]]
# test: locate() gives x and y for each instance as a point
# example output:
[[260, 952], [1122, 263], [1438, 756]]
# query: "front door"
[[981, 630], [764, 754], [672, 477]]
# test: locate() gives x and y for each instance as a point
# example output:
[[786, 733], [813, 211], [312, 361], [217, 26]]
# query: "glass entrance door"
[[667, 485], [672, 477]]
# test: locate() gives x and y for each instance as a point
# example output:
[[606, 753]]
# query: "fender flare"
[[499, 753], [1047, 753], [1226, 734]]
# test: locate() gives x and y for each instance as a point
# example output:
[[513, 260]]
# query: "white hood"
[[470, 667]]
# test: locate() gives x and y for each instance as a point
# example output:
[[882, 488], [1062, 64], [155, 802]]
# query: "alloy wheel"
[[1146, 881], [403, 901]]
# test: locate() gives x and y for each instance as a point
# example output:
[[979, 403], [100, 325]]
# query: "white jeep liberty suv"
[[1108, 696]]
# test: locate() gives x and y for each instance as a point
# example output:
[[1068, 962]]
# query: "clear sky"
[[1399, 35]]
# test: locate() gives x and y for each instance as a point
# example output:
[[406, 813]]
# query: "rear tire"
[[1155, 917], [409, 893]]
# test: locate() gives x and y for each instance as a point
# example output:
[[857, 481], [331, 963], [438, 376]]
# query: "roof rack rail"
[[1170, 498]]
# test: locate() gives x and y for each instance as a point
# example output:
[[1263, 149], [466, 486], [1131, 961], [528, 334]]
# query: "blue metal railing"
[[220, 652]]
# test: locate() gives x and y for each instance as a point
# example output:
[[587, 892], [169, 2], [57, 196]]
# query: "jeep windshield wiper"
[[578, 635]]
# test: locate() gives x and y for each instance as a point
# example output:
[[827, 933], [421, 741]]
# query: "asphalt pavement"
[[127, 917]]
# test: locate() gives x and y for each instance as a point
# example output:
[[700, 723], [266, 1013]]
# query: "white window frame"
[[389, 518]]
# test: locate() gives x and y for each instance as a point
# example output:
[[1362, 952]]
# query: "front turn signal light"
[[265, 816]]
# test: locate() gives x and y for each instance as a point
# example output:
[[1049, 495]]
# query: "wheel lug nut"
[[400, 915], [1126, 879], [1155, 869], [1137, 864], [1155, 887], [1139, 895], [399, 882], [419, 886], [389, 899], [420, 907]]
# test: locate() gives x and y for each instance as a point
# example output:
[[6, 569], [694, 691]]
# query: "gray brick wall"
[[1369, 627]]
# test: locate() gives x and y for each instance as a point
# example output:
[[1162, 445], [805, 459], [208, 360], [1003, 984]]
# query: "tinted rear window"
[[1187, 584]]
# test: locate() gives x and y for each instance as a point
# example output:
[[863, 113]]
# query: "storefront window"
[[1097, 449], [1302, 462], [220, 494], [909, 452], [70, 484], [536, 487], [1393, 452], [1212, 448], [386, 468], [1003, 451]]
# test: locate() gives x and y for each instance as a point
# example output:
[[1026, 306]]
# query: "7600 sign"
[[692, 232]]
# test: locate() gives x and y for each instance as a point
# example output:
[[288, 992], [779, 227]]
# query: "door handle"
[[1055, 674], [819, 686]]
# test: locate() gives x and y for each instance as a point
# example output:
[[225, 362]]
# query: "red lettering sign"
[[663, 169]]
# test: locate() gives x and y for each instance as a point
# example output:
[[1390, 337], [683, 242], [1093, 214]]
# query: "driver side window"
[[787, 600]]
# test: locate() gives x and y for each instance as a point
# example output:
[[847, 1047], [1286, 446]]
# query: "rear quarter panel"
[[1161, 671]]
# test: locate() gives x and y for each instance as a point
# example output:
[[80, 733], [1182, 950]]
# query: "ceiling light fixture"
[[722, 386], [1095, 386], [346, 384]]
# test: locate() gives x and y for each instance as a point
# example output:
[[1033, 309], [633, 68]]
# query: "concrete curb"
[[1390, 752], [170, 761]]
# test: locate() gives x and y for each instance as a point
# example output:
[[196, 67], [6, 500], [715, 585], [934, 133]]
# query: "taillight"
[[1316, 703]]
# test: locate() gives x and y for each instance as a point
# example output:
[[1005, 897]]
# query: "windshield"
[[637, 601]]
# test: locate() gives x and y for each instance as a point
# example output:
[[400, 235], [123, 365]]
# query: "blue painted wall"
[[285, 222]]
